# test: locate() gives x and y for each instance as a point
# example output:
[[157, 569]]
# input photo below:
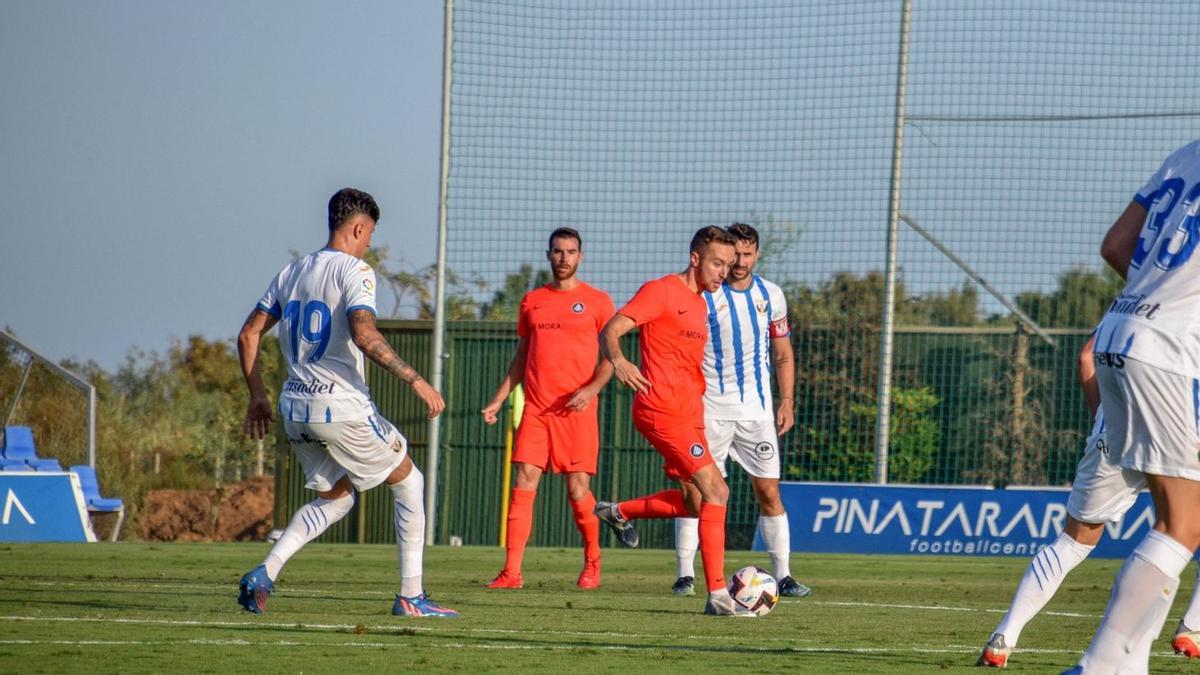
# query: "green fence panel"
[[970, 406]]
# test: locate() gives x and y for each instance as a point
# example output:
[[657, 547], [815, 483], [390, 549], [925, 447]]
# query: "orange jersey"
[[563, 328], [674, 327]]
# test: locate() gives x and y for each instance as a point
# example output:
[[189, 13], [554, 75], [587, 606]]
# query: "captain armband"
[[780, 328]]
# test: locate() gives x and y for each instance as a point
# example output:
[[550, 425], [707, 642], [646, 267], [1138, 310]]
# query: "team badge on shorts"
[[765, 450], [577, 308], [697, 450]]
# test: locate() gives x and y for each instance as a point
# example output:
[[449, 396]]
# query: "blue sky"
[[158, 159]]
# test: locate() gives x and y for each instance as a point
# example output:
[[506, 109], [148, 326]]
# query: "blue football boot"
[[421, 605], [254, 590]]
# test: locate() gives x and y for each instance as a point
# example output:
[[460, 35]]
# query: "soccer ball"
[[753, 590]]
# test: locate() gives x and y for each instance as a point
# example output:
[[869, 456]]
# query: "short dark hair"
[[564, 233], [743, 232], [348, 202], [710, 234]]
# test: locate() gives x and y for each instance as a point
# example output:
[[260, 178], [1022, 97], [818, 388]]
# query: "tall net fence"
[[1027, 128], [38, 396]]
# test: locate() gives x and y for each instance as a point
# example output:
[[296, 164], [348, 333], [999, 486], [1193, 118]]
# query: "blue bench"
[[20, 454], [96, 503], [13, 465], [18, 447]]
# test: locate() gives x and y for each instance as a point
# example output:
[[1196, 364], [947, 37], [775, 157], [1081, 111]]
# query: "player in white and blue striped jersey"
[[748, 340], [1148, 367]]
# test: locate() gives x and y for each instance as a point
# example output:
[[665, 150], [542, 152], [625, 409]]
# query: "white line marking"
[[389, 630], [319, 593], [949, 649], [940, 608]]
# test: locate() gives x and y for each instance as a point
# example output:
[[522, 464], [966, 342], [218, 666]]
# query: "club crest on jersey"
[[368, 285], [697, 450], [761, 307], [577, 308], [765, 450]]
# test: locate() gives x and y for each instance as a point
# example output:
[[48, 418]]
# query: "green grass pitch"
[[127, 607]]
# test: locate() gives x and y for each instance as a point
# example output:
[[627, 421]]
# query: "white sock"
[[307, 524], [1137, 661], [1192, 618], [687, 541], [778, 539], [409, 519], [1044, 575], [1147, 581]]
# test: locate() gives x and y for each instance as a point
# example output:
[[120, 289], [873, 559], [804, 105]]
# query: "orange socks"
[[520, 523], [589, 526], [665, 504], [712, 545]]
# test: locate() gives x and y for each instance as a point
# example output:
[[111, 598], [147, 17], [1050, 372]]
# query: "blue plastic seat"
[[18, 445], [12, 465], [91, 490], [96, 503]]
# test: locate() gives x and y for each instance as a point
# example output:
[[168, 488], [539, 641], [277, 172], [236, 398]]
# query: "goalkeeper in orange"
[[558, 361]]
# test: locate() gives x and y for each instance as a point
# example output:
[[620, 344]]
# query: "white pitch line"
[[384, 629], [949, 649], [493, 646], [391, 630], [118, 585], [942, 608], [317, 593]]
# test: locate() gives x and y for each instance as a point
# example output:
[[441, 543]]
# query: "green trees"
[[507, 299], [413, 291], [162, 421], [974, 399], [1080, 300]]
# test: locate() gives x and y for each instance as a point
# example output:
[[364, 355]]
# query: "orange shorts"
[[680, 441], [565, 443]]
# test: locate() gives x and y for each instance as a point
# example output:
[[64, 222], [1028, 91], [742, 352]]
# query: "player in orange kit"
[[557, 359], [668, 408]]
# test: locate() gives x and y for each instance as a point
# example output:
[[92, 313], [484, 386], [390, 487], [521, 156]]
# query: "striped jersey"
[[737, 354], [312, 297], [1156, 319]]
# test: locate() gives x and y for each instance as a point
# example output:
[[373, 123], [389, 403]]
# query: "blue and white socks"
[[307, 524], [1041, 581], [409, 521]]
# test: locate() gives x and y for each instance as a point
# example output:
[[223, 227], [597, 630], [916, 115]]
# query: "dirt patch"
[[238, 512]]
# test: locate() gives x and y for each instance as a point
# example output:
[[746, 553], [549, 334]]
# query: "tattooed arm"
[[375, 347]]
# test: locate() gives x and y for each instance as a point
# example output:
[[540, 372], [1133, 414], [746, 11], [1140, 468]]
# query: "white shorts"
[[1102, 491], [365, 450], [751, 443], [1152, 417]]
